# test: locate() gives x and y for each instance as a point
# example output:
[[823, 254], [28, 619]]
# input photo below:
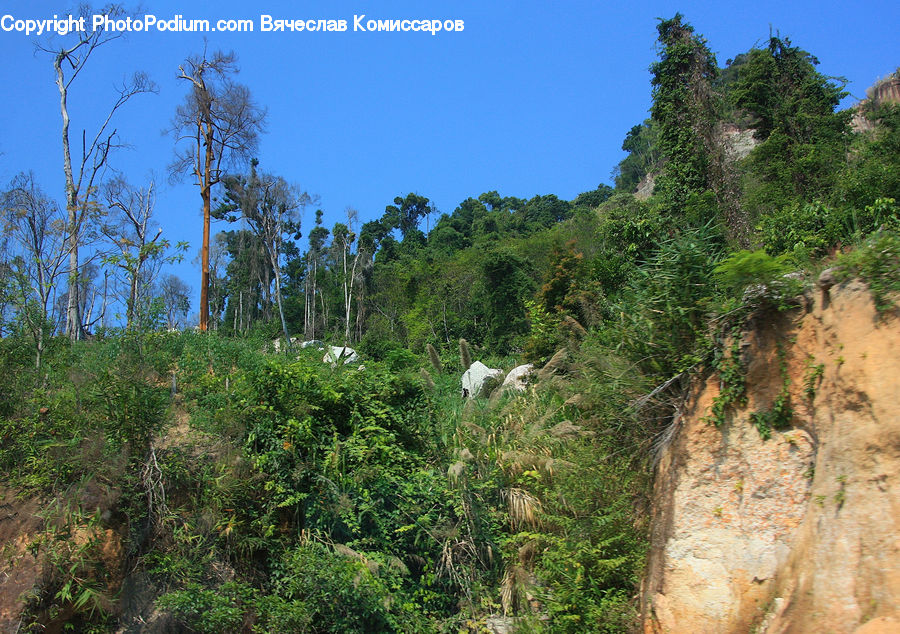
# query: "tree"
[[506, 285], [406, 213], [38, 231], [684, 109], [128, 228], [175, 295], [370, 236], [643, 156], [317, 238], [792, 110], [247, 279], [687, 103], [873, 169], [82, 174], [342, 243], [6, 285], [218, 282], [91, 293], [594, 198], [217, 127], [272, 209], [541, 212]]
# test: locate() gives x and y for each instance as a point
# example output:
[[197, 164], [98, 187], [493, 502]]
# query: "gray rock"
[[826, 279], [517, 379], [501, 624], [277, 344], [479, 380]]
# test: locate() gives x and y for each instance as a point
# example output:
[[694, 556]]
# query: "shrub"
[[807, 230], [758, 270], [877, 261], [814, 229]]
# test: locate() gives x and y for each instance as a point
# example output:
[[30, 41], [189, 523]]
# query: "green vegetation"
[[779, 415], [812, 376], [877, 261], [732, 386], [251, 490]]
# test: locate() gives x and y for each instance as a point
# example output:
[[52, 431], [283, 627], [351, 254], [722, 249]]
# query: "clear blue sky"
[[533, 97]]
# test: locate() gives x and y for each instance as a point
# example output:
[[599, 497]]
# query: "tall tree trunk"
[[73, 314], [204, 251], [346, 296], [284, 328], [306, 305], [312, 299]]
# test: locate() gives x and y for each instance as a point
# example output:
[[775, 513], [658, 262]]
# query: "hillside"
[[700, 434]]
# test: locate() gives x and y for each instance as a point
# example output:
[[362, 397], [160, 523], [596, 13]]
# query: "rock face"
[[884, 91], [340, 353], [517, 379], [25, 570], [645, 187], [800, 532], [739, 142], [479, 379]]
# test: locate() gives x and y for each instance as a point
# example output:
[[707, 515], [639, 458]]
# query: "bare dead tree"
[[342, 243], [94, 296], [81, 175], [277, 214], [215, 128]]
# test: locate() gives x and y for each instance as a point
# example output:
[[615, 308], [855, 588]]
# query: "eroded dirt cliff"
[[798, 532]]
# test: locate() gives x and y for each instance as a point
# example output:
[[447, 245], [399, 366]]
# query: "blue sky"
[[531, 98]]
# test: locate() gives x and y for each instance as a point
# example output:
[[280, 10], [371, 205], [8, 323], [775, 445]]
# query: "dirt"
[[797, 533], [19, 568]]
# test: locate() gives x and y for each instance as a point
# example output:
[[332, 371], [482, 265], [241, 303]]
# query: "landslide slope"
[[797, 532]]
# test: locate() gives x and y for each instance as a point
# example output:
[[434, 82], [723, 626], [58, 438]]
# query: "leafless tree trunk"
[[175, 296], [345, 237], [81, 176], [306, 304]]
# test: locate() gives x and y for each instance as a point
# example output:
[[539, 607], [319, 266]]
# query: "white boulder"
[[277, 344], [517, 379], [479, 379]]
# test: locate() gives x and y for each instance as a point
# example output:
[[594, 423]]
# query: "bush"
[[813, 229], [376, 347], [741, 269], [877, 262], [209, 611], [807, 230], [662, 313], [345, 592]]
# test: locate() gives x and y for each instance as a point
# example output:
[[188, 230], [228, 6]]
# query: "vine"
[[733, 386], [780, 414], [812, 377]]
